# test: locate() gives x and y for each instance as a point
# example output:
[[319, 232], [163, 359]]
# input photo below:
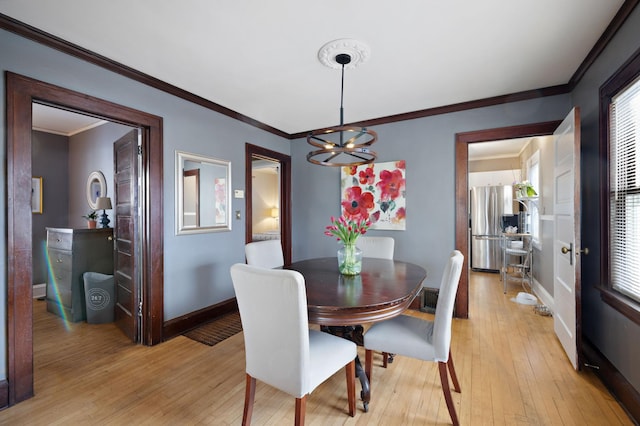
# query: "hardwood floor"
[[511, 368]]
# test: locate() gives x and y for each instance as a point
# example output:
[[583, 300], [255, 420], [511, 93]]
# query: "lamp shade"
[[103, 203], [275, 212]]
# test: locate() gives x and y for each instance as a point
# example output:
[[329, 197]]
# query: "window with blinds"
[[624, 191]]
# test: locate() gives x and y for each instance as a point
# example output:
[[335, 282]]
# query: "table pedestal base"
[[354, 333]]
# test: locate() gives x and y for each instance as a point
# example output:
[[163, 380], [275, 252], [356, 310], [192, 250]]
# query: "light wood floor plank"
[[511, 368]]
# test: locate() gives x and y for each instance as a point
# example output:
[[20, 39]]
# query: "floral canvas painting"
[[220, 187], [375, 192]]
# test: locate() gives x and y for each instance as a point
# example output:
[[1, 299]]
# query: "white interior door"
[[566, 288]]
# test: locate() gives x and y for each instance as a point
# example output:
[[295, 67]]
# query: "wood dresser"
[[71, 253]]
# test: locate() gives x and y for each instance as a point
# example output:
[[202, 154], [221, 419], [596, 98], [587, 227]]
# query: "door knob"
[[569, 249], [566, 250]]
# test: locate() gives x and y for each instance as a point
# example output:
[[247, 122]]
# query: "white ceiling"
[[61, 122], [259, 58], [497, 149]]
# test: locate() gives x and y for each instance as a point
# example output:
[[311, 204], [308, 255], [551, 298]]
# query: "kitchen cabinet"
[[71, 253]]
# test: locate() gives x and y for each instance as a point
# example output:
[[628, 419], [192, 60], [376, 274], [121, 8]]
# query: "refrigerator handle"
[[487, 237]]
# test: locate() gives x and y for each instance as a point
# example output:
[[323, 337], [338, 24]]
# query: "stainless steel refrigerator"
[[488, 205]]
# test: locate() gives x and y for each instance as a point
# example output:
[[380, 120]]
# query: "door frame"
[[21, 92], [285, 195], [462, 191]]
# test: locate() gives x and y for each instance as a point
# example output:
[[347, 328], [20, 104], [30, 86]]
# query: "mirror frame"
[[181, 157], [95, 177]]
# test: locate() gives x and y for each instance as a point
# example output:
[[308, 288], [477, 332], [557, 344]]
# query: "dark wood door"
[[127, 288]]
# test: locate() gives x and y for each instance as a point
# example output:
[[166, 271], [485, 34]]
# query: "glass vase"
[[349, 259]]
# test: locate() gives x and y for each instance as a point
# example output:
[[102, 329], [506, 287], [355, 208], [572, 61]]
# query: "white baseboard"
[[39, 291], [543, 295]]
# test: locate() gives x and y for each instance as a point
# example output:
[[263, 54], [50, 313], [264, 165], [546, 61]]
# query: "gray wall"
[[427, 145], [50, 161], [613, 334], [543, 251], [91, 150]]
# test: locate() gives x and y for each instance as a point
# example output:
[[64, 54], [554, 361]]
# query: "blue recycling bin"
[[99, 295]]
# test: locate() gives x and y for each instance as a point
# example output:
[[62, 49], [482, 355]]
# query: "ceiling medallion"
[[357, 51], [342, 145]]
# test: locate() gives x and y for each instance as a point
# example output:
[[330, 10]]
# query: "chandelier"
[[342, 145]]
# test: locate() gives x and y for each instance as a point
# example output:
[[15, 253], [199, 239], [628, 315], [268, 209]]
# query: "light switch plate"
[[238, 193]]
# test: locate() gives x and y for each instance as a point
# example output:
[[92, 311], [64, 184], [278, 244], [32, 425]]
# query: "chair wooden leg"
[[249, 395], [444, 379], [452, 373], [368, 364], [301, 408], [351, 386], [385, 359]]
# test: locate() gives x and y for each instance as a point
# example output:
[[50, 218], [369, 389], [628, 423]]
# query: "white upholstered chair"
[[280, 348], [422, 339], [380, 247], [266, 254]]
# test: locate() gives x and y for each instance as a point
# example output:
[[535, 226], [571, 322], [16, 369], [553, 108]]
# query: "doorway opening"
[[21, 92], [494, 167], [462, 240], [268, 197], [265, 199]]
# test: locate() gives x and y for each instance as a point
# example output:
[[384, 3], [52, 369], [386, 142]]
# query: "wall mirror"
[[203, 194], [96, 187]]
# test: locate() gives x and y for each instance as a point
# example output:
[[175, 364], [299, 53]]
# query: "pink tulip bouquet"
[[347, 230]]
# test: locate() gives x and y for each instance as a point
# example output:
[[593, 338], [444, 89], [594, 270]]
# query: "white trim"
[[543, 295], [39, 291]]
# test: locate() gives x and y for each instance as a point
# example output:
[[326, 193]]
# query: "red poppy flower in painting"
[[391, 184], [400, 164], [351, 170], [401, 215], [356, 205], [367, 176]]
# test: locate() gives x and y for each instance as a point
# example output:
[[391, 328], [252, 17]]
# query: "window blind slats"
[[624, 162]]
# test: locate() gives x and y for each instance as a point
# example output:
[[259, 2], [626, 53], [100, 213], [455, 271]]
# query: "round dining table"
[[341, 303], [384, 289]]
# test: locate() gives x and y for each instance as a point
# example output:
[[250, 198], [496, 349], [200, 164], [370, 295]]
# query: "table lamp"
[[104, 203]]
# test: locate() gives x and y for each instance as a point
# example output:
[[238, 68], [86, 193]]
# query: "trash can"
[[99, 297]]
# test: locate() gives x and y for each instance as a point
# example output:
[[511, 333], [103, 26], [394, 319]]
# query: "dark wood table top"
[[384, 289]]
